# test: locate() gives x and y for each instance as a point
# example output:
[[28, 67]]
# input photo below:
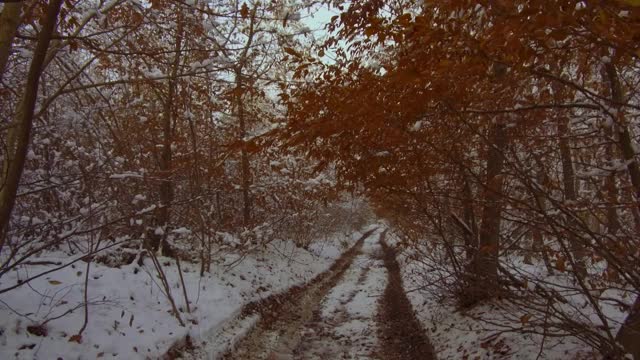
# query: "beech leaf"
[[292, 52], [76, 338], [244, 11]]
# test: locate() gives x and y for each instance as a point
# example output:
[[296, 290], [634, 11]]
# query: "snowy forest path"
[[357, 310], [344, 325]]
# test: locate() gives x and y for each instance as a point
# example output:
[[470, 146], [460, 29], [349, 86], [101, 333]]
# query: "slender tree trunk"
[[471, 239], [195, 181], [9, 22], [613, 222], [611, 188], [629, 334], [570, 193], [240, 90], [184, 287], [166, 184], [19, 135], [625, 141], [244, 157], [536, 232], [218, 207], [246, 183], [484, 267]]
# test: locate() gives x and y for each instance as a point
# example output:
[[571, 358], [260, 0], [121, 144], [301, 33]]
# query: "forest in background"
[[497, 138]]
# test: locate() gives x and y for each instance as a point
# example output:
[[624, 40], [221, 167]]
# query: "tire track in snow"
[[278, 332], [401, 333], [344, 327]]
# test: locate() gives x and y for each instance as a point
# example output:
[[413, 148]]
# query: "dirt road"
[[356, 310]]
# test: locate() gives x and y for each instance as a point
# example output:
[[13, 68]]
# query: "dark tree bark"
[[242, 121], [19, 134], [629, 334], [537, 233], [9, 23], [244, 156], [165, 190], [471, 238], [570, 193], [484, 267]]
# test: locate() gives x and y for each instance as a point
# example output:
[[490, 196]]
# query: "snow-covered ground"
[[345, 325], [129, 316], [457, 334]]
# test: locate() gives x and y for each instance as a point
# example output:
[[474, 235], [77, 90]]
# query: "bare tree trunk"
[[184, 287], [218, 207], [613, 222], [19, 135], [536, 232], [570, 192], [624, 136], [611, 188], [244, 157], [9, 22], [629, 333], [471, 239], [484, 268], [195, 180], [166, 184], [166, 287]]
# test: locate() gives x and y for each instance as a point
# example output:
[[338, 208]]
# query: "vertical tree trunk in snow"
[[471, 239], [484, 267], [611, 188], [570, 193], [18, 136], [624, 136], [166, 185], [536, 233], [244, 156], [613, 223], [629, 334]]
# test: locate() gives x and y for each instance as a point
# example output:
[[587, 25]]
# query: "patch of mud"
[[401, 334]]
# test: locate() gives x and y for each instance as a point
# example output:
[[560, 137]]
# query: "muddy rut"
[[400, 332]]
